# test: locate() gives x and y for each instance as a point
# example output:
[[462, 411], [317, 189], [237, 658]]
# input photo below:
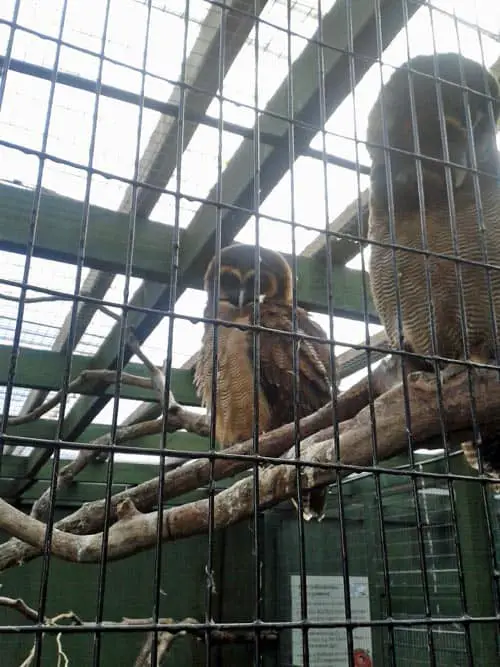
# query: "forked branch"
[[134, 531], [166, 637]]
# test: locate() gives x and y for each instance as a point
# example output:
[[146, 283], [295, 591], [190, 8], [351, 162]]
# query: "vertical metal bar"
[[174, 263], [210, 584], [484, 251], [365, 287], [432, 320], [121, 347], [464, 333], [329, 285], [295, 360], [4, 68], [392, 235], [256, 348], [44, 575], [489, 511]]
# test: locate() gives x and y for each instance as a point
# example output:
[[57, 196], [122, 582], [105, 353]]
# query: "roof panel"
[[41, 321]]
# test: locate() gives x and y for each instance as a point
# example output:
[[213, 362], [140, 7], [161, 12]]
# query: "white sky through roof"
[[25, 106]]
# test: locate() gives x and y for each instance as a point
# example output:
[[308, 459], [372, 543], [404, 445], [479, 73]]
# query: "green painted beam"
[[58, 234], [43, 369]]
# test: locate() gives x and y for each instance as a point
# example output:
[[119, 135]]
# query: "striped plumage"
[[234, 414], [445, 285]]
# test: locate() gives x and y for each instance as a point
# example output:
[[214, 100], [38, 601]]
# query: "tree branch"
[[165, 638], [165, 641], [30, 614], [68, 473], [134, 532], [86, 382], [20, 606], [193, 474], [157, 376]]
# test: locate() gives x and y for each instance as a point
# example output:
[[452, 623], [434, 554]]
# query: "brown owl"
[[429, 295], [235, 350]]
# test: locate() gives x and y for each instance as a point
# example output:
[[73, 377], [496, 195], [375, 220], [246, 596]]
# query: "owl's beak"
[[246, 295], [457, 149], [242, 297]]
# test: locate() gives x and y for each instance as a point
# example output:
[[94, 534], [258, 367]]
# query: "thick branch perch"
[[193, 474], [68, 473], [137, 532]]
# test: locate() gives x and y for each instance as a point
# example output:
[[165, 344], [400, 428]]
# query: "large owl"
[[235, 369], [448, 213]]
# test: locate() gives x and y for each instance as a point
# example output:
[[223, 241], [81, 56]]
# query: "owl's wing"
[[276, 363], [204, 363]]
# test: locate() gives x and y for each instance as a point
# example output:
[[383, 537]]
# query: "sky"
[[120, 138]]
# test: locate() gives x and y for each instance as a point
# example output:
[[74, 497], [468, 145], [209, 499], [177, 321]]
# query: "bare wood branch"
[[29, 613], [51, 298], [20, 606], [216, 636], [109, 313], [86, 381], [68, 473], [164, 642], [157, 376], [90, 517], [137, 532], [179, 418], [354, 399], [220, 636], [35, 299]]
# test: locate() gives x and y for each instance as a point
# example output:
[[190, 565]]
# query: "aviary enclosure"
[[282, 453]]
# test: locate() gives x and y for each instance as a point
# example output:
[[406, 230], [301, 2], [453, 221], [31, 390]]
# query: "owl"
[[234, 401]]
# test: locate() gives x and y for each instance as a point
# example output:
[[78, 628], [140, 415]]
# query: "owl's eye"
[[229, 282], [230, 287], [264, 283]]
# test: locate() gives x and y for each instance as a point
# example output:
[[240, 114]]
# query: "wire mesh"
[[160, 393]]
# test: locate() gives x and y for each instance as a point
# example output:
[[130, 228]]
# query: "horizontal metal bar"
[[45, 428]]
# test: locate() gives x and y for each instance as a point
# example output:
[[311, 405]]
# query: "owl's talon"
[[422, 380], [451, 371]]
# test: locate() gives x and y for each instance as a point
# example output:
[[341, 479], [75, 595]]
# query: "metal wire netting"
[[161, 392]]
